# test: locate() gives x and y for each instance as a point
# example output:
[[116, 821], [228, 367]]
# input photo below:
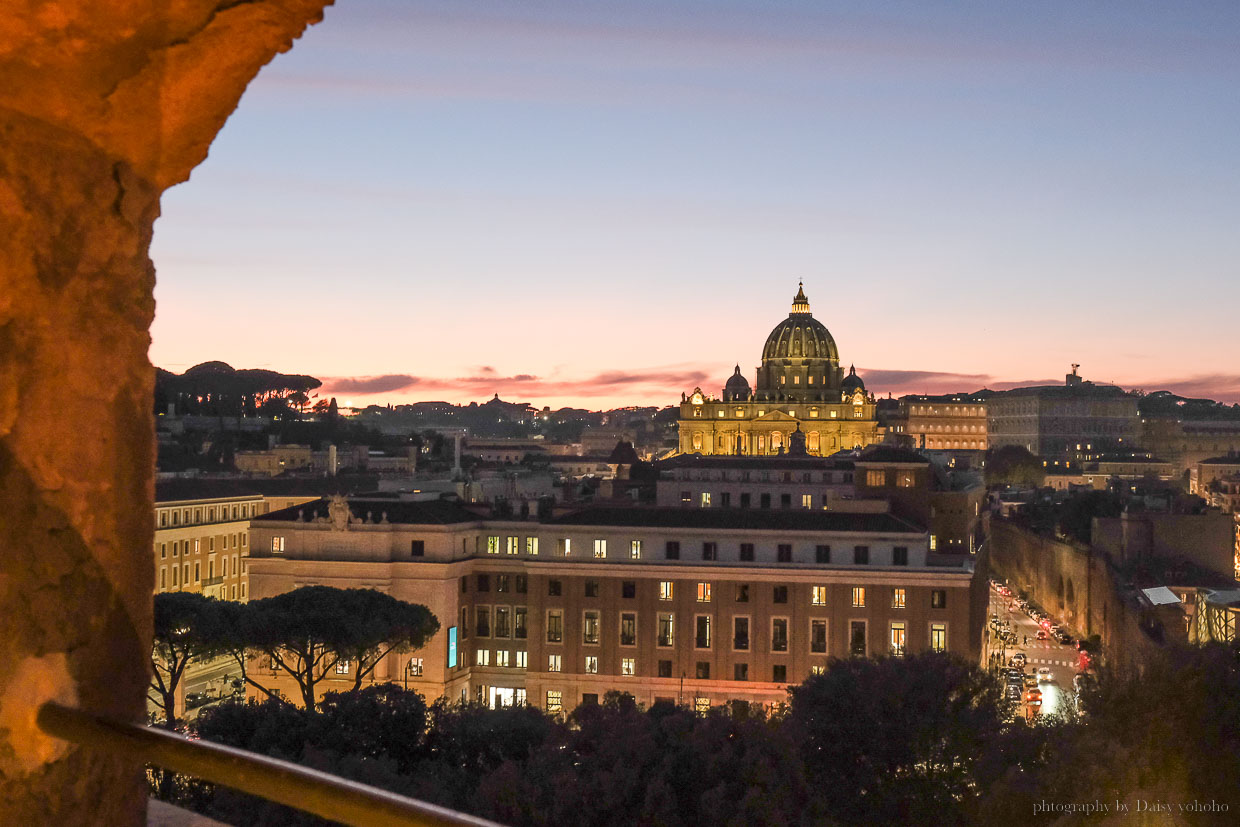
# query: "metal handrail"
[[324, 795]]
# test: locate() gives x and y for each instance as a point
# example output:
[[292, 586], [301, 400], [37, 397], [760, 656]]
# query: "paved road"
[[1063, 661]]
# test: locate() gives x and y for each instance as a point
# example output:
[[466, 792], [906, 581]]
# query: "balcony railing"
[[324, 795]]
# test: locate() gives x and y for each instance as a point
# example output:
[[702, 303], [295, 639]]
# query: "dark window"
[[702, 632], [899, 556], [464, 585], [484, 621], [779, 673], [709, 551], [856, 638], [665, 669], [628, 589], [672, 551], [818, 637], [417, 548], [464, 621], [725, 499], [822, 554], [591, 588], [628, 629], [785, 501], [745, 500], [861, 555], [779, 635], [784, 552], [742, 592], [518, 622], [501, 582], [764, 500], [522, 583], [938, 599], [740, 672], [555, 627], [553, 588], [686, 496], [703, 670], [589, 699], [746, 552], [781, 594], [484, 582], [740, 633]]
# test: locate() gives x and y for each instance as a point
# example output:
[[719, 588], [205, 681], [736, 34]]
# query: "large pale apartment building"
[[700, 606]]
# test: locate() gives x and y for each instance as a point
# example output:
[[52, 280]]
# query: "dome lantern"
[[800, 304]]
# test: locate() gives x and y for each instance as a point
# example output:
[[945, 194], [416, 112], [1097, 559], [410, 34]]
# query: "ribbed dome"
[[800, 336], [737, 387], [799, 360]]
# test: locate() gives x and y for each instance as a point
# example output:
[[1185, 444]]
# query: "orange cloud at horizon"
[[662, 386]]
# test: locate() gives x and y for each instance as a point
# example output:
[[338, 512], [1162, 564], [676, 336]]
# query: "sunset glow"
[[601, 205]]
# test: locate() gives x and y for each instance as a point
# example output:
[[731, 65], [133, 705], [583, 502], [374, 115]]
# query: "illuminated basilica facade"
[[802, 401]]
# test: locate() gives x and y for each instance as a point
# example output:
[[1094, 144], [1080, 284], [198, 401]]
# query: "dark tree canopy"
[[893, 740], [188, 627], [307, 631], [1014, 465], [216, 389]]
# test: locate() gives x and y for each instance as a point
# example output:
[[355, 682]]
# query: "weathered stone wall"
[[1202, 540], [104, 104]]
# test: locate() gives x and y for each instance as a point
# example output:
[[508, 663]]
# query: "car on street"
[[196, 699], [1065, 638], [1013, 693], [1044, 674], [1017, 660], [1042, 634], [1033, 697], [1031, 681]]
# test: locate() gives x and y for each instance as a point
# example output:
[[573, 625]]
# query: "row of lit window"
[[183, 582], [739, 413], [706, 499], [191, 516], [415, 668], [710, 550], [828, 477], [950, 429], [897, 646], [665, 629], [229, 541], [922, 410], [238, 567], [704, 592]]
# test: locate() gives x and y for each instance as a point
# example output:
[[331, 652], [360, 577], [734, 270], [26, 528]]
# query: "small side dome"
[[852, 382], [737, 387]]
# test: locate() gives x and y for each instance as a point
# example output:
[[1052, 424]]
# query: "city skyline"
[[616, 204]]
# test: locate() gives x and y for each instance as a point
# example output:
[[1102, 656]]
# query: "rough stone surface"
[[103, 105]]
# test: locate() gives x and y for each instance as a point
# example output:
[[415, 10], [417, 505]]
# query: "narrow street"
[[1062, 661]]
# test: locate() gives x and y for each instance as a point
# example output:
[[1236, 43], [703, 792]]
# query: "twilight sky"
[[603, 204]]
